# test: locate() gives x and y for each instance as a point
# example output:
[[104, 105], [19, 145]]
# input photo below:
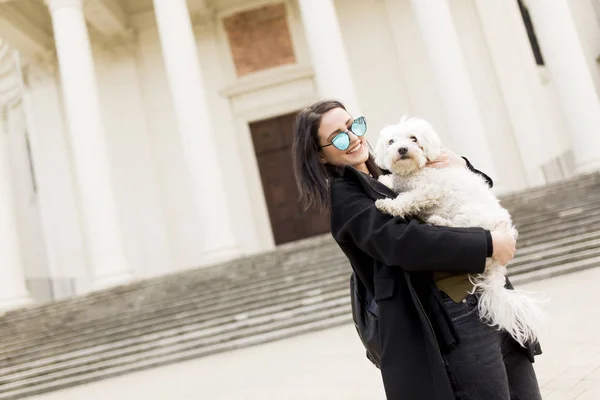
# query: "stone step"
[[298, 287], [551, 196], [565, 241], [37, 349], [136, 354], [254, 298], [556, 252], [341, 319], [243, 287], [544, 224], [285, 270], [522, 237], [562, 210], [550, 200], [164, 338], [557, 233], [76, 332], [542, 207], [557, 270], [207, 275], [32, 386], [554, 261], [295, 247], [578, 183]]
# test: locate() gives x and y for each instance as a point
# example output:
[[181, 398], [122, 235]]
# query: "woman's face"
[[333, 122]]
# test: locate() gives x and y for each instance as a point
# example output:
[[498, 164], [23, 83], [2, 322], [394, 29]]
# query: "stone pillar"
[[454, 85], [103, 235], [13, 292], [568, 70], [328, 53], [196, 129], [518, 76]]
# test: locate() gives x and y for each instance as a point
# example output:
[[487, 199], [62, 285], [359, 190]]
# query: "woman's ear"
[[432, 145]]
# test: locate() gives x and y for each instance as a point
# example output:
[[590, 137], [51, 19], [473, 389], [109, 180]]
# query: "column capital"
[[58, 4], [118, 45], [39, 67]]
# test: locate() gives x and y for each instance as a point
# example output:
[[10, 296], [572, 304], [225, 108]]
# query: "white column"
[[328, 53], [454, 85], [196, 128], [518, 77], [57, 192], [103, 235], [566, 63], [13, 292]]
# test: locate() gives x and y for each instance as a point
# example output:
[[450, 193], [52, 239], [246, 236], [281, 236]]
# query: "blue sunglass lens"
[[341, 141], [359, 126]]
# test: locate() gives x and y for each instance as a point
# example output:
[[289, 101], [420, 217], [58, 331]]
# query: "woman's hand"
[[505, 245], [447, 158]]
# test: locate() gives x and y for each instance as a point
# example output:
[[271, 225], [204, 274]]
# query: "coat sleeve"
[[398, 242]]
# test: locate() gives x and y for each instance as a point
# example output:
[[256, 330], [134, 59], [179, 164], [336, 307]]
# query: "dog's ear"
[[430, 142], [380, 150]]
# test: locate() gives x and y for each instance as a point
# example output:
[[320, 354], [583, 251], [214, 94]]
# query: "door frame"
[[257, 97]]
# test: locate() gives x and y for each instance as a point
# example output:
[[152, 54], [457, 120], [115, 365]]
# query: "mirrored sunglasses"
[[341, 141]]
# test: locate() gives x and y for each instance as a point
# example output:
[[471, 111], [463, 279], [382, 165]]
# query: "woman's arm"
[[396, 242]]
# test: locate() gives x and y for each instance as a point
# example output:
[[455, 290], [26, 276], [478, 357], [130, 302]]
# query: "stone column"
[[196, 128], [103, 235], [328, 53], [568, 70], [13, 292], [454, 85]]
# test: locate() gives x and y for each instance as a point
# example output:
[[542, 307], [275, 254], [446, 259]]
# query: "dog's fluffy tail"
[[516, 311]]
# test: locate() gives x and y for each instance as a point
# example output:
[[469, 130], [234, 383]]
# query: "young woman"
[[434, 346]]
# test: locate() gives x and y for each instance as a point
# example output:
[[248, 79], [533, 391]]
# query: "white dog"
[[454, 197]]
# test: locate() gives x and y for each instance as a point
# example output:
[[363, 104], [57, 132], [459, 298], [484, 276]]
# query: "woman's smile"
[[357, 147]]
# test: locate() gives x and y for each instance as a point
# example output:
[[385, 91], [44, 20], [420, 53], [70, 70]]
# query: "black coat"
[[394, 258]]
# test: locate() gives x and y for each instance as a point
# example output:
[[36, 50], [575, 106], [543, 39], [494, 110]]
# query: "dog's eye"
[[414, 139], [391, 141]]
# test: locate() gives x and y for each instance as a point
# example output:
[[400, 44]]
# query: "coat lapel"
[[375, 189]]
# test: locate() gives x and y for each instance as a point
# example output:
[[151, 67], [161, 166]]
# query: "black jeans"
[[487, 364]]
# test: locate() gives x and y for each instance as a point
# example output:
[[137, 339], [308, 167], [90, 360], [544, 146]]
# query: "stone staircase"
[[300, 287]]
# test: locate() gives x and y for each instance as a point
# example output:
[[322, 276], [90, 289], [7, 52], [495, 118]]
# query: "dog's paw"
[[388, 206], [439, 221]]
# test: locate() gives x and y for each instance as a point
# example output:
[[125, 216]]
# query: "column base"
[[11, 304], [588, 167], [108, 281], [220, 255]]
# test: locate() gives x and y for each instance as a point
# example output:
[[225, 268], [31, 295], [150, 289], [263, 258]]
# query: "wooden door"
[[272, 140]]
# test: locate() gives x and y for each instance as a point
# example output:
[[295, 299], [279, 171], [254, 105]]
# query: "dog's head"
[[407, 146]]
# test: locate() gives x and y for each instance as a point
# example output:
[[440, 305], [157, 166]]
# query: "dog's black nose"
[[402, 150]]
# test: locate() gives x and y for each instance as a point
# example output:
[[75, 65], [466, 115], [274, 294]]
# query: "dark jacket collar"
[[375, 189]]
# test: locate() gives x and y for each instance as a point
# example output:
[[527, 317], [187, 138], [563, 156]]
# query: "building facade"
[[144, 137]]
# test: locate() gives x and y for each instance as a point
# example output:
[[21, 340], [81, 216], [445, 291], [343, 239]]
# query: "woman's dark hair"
[[313, 176]]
